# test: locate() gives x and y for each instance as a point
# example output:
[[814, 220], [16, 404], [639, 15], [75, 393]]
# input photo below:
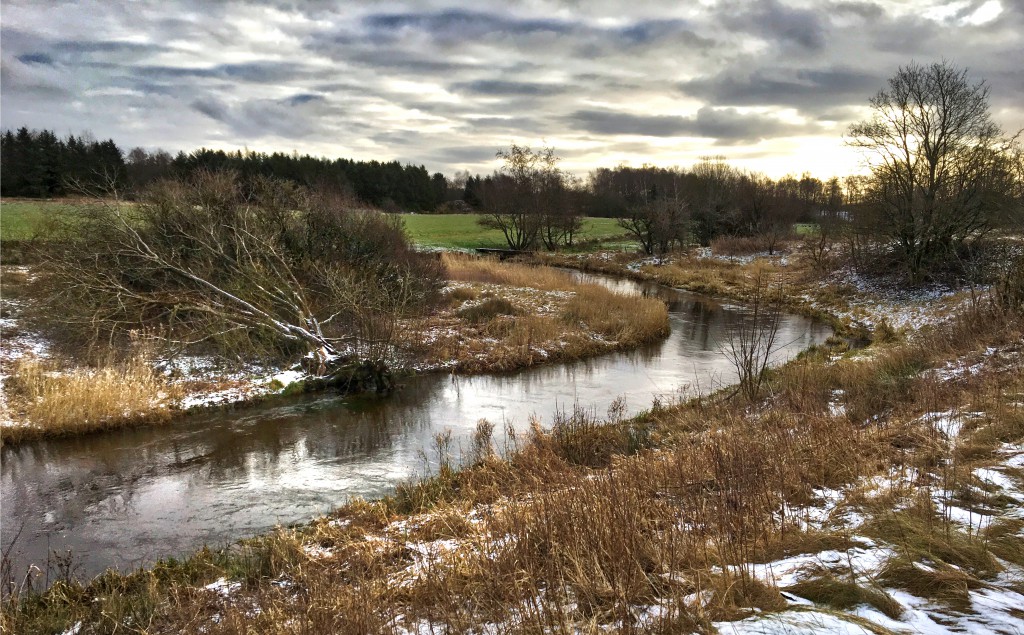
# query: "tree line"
[[39, 164]]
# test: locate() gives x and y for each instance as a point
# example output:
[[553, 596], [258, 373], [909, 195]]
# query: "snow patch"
[[222, 587]]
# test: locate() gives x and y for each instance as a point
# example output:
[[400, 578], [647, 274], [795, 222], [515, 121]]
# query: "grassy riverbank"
[[875, 491], [854, 305], [496, 317], [503, 316]]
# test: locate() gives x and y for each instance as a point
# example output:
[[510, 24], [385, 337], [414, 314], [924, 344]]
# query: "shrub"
[[260, 267], [487, 310]]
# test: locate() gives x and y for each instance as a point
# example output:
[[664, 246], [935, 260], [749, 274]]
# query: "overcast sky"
[[770, 85]]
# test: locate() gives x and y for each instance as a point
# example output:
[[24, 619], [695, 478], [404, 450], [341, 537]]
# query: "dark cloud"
[[295, 116], [76, 47], [499, 87], [255, 72], [36, 58], [866, 10], [459, 24], [462, 155], [396, 60], [805, 89], [211, 108], [773, 20], [725, 125], [305, 98]]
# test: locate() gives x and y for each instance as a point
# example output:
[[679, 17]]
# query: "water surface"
[[125, 498]]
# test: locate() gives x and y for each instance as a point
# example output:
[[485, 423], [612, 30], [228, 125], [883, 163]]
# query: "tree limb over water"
[[264, 268]]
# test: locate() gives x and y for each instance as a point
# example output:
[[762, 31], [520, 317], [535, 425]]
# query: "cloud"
[[807, 89], [298, 116], [725, 125], [459, 24], [774, 20], [500, 87], [36, 58], [437, 83]]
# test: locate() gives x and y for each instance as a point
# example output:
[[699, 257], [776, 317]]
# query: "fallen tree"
[[260, 268]]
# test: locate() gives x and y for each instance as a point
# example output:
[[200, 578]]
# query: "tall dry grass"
[[629, 320], [501, 333], [466, 268], [48, 401]]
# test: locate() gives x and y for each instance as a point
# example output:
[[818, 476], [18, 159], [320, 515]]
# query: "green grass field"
[[18, 219], [462, 231]]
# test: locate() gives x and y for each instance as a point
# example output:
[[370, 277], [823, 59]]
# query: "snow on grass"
[[836, 407], [870, 303], [996, 479], [861, 561], [949, 422], [992, 611], [75, 629], [1016, 455], [223, 587], [794, 622]]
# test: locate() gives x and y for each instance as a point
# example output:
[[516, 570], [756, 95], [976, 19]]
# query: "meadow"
[[20, 219], [463, 231]]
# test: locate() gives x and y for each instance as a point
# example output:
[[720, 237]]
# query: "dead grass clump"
[[468, 268], [705, 275], [487, 310], [930, 543], [826, 588], [1004, 537], [458, 295], [891, 379], [581, 438], [736, 598], [624, 319], [927, 579], [55, 403], [737, 245]]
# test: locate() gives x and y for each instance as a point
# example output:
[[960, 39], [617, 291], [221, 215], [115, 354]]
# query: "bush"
[[487, 310], [261, 267]]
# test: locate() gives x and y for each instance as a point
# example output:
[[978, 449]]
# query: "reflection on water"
[[125, 498]]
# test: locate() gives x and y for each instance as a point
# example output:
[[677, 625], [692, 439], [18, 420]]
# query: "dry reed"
[[58, 403]]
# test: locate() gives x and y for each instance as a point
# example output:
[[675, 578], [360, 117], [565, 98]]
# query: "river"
[[126, 498]]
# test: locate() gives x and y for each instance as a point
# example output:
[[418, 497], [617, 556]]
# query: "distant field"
[[462, 231], [18, 219]]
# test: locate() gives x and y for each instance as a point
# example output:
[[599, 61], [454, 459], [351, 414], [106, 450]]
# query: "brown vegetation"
[[583, 527], [57, 402], [511, 315]]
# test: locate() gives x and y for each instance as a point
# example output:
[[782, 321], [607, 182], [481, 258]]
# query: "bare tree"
[[754, 340], [712, 197], [657, 212], [561, 205], [934, 153], [526, 190]]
